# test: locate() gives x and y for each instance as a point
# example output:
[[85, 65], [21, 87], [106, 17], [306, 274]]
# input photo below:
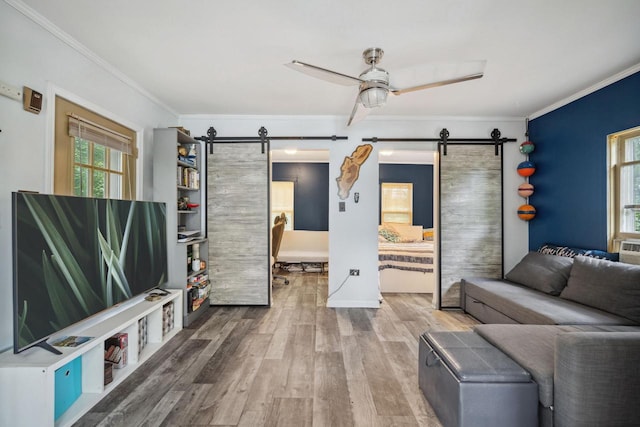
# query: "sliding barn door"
[[470, 217], [238, 177]]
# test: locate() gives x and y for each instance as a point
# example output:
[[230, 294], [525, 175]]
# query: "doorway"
[[300, 189], [407, 250]]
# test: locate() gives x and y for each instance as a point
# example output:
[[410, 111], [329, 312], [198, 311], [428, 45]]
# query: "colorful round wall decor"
[[525, 189], [526, 168], [527, 147], [526, 212]]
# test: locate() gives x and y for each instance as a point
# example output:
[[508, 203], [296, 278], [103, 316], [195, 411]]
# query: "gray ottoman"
[[469, 382]]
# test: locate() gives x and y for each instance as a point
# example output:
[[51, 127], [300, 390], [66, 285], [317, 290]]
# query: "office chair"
[[277, 232]]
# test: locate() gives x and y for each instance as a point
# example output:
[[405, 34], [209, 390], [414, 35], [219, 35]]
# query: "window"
[[624, 187], [282, 201], [94, 156], [397, 203], [97, 170]]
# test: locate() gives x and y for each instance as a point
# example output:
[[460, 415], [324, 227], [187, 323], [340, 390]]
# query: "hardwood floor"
[[297, 363]]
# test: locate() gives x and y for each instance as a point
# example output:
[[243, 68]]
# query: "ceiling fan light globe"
[[373, 97]]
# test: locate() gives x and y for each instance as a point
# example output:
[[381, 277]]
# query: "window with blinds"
[[282, 201], [396, 203], [94, 156]]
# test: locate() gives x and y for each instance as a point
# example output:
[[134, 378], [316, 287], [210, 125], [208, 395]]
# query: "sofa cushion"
[[525, 305], [530, 346], [533, 348], [596, 381], [545, 273], [609, 286]]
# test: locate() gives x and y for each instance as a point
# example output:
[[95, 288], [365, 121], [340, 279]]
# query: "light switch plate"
[[9, 91]]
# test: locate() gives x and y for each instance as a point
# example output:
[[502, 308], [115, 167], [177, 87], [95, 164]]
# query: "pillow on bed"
[[389, 234], [408, 233], [542, 272]]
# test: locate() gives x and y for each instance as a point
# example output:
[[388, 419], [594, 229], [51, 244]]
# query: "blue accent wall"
[[310, 193], [571, 159], [422, 178]]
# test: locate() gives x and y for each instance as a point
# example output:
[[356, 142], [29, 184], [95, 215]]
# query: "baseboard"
[[333, 303]]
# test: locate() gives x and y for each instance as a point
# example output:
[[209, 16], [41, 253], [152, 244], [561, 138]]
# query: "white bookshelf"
[[27, 384], [168, 189]]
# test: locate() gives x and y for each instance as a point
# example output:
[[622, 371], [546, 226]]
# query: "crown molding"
[[85, 51], [604, 83], [343, 118]]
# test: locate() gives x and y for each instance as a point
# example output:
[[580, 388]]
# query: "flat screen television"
[[74, 257]]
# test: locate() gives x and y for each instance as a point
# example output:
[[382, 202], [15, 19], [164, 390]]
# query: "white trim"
[[49, 137], [342, 119], [354, 303], [604, 83], [85, 51], [52, 92]]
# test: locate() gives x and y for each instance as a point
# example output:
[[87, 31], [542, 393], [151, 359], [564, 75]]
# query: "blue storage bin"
[[68, 385]]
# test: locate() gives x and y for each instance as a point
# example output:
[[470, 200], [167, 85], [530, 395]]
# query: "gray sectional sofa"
[[574, 325]]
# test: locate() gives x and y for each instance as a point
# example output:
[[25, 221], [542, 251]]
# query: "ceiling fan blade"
[[323, 73], [358, 113], [435, 84]]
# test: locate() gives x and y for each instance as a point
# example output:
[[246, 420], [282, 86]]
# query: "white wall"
[[353, 234], [31, 56]]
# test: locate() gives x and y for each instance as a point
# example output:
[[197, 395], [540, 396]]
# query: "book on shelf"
[[167, 318], [191, 161], [188, 235], [115, 349], [188, 177], [198, 292], [197, 280], [187, 239]]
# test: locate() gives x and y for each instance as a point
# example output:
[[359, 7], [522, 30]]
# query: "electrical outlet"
[[354, 272], [10, 91]]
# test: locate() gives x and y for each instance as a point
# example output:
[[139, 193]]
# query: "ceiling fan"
[[373, 82]]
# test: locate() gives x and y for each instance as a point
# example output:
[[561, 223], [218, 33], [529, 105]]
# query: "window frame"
[[615, 163], [64, 146], [383, 211]]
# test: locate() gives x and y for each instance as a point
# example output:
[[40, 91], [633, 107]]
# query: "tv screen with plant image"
[[74, 257]]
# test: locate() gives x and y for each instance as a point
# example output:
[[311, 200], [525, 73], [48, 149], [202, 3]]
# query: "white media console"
[[28, 379]]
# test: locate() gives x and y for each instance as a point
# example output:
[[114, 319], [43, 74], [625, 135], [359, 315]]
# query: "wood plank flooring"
[[297, 363]]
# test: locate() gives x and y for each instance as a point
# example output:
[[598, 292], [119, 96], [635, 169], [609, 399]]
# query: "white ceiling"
[[226, 57]]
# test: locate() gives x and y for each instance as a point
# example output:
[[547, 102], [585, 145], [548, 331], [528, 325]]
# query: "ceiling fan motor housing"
[[375, 88]]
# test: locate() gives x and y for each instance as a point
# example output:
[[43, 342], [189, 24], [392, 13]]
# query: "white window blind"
[[397, 202], [90, 131]]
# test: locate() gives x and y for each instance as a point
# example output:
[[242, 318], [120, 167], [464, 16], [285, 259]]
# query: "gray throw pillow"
[[610, 286], [542, 272]]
